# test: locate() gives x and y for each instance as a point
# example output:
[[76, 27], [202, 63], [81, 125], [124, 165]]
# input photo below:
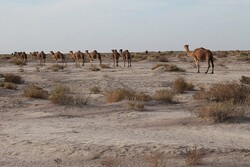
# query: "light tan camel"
[[201, 54], [33, 55], [77, 56], [126, 57], [115, 56], [94, 55], [59, 55]]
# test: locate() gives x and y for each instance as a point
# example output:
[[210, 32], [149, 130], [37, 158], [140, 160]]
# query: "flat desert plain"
[[37, 132]]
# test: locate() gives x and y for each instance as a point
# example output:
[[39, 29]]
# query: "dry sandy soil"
[[35, 132]]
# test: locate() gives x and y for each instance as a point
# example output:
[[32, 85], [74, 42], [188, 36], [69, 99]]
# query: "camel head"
[[186, 47], [87, 51], [120, 50], [52, 52], [71, 52]]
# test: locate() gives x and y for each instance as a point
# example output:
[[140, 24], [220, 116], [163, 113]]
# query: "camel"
[[201, 54], [94, 55], [126, 57], [41, 56], [115, 56], [59, 55], [21, 55], [77, 56]]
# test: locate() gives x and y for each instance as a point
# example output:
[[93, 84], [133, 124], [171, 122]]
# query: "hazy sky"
[[137, 25]]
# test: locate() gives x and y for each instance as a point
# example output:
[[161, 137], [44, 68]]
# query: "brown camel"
[[59, 55], [22, 55], [41, 56], [126, 57], [94, 55], [115, 56], [77, 56], [201, 54]]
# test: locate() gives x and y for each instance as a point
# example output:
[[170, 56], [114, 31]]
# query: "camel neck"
[[189, 53]]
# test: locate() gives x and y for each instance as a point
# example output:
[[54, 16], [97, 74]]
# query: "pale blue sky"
[[137, 25]]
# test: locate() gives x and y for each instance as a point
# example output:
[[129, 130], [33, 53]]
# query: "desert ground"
[[38, 132]]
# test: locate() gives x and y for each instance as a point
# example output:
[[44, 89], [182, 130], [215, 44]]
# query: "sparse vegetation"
[[221, 92], [104, 66], [116, 95], [61, 94], [168, 67], [136, 105], [221, 111], [34, 91], [13, 78], [180, 85], [94, 68], [194, 156], [164, 95], [8, 85], [56, 67], [95, 90], [245, 80]]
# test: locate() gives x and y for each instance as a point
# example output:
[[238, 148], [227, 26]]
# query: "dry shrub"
[[94, 68], [56, 67], [221, 111], [180, 85], [141, 96], [95, 90], [168, 67], [13, 78], [163, 59], [229, 91], [116, 95], [109, 162], [135, 105], [18, 62], [105, 66], [61, 94], [164, 95], [194, 156], [245, 80], [244, 57], [8, 85], [155, 159], [34, 91]]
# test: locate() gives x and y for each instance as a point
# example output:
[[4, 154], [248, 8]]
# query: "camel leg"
[[212, 62], [116, 62], [208, 66], [198, 66]]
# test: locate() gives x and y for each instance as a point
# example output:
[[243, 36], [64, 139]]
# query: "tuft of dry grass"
[[58, 94], [221, 92], [155, 159], [164, 95], [141, 96], [18, 62], [105, 66], [221, 111], [245, 80], [194, 156], [135, 105], [34, 91], [109, 162], [95, 90], [13, 78], [8, 85], [94, 68], [180, 85], [61, 94], [56, 67], [168, 67], [119, 94]]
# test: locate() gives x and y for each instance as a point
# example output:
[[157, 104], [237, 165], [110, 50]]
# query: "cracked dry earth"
[[36, 132]]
